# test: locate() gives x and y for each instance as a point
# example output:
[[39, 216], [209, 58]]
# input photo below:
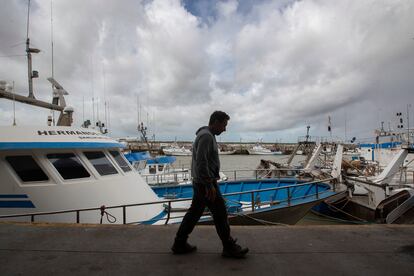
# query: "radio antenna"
[[14, 107]]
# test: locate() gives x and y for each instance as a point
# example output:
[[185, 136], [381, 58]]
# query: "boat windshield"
[[26, 168], [121, 161], [100, 162], [68, 165]]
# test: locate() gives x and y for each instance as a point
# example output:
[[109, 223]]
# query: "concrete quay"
[[70, 249]]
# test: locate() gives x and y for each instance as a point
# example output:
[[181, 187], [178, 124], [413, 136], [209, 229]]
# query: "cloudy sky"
[[274, 66]]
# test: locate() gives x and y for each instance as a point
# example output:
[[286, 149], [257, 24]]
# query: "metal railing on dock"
[[255, 203]]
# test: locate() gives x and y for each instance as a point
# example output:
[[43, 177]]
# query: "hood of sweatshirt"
[[204, 128]]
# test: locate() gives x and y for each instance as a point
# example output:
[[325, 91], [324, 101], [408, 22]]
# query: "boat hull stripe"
[[156, 218], [56, 145], [16, 204], [13, 196]]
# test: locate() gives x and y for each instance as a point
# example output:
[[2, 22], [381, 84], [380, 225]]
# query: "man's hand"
[[211, 194]]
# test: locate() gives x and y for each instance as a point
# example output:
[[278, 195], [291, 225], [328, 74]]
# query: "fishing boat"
[[260, 150], [176, 150], [226, 152], [283, 201], [160, 170], [56, 168], [50, 169], [381, 198], [386, 145], [265, 201]]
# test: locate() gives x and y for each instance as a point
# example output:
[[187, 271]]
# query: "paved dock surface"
[[59, 249]]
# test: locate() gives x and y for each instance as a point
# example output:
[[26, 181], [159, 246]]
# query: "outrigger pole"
[[29, 100], [58, 103]]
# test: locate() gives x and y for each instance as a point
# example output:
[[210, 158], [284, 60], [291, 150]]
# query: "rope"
[[342, 211], [349, 163], [329, 218], [110, 218]]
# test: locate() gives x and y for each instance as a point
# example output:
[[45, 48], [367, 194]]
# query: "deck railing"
[[168, 203], [232, 175]]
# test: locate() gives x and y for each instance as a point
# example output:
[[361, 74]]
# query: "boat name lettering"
[[64, 132], [93, 137]]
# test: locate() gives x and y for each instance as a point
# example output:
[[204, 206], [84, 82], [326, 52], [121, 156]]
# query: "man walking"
[[205, 168]]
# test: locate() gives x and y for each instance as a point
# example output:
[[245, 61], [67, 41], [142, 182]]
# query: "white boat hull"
[[252, 152], [55, 193]]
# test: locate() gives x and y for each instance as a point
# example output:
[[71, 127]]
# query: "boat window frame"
[[116, 162], [81, 161], [16, 176], [108, 157]]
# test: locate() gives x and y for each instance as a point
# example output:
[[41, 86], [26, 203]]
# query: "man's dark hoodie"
[[205, 166]]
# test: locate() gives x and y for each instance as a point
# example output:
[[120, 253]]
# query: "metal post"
[[77, 216], [235, 177], [169, 211], [256, 174], [317, 190], [406, 175], [124, 214], [288, 193], [252, 193]]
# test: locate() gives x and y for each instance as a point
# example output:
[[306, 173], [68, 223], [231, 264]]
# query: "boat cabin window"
[[121, 161], [100, 162], [160, 168], [26, 168], [152, 169], [68, 165]]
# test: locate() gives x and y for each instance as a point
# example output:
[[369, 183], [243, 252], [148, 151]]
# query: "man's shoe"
[[233, 250], [183, 248]]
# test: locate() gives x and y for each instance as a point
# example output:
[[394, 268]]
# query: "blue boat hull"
[[281, 206]]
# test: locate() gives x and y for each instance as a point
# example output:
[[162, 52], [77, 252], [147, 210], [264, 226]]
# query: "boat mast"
[[30, 74], [52, 46], [408, 124]]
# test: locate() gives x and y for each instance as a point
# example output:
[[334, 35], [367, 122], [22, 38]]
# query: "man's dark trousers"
[[198, 204]]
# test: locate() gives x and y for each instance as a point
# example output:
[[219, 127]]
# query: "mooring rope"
[[342, 211], [110, 218]]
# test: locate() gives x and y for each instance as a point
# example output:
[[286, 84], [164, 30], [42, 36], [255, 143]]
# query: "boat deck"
[[67, 249]]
